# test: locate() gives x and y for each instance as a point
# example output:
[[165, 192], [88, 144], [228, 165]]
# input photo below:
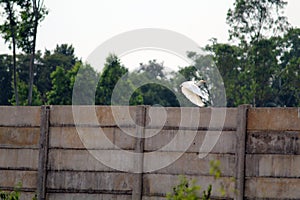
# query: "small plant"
[[35, 197], [215, 171], [14, 195], [215, 168], [186, 190]]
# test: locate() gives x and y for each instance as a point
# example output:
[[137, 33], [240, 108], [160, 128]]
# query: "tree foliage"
[[10, 33], [63, 82], [260, 68], [287, 78], [256, 70], [112, 72], [154, 85], [63, 56], [20, 29], [85, 78], [34, 12], [6, 89], [252, 20], [23, 94], [61, 91]]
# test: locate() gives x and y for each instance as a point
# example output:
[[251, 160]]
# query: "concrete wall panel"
[[73, 172], [81, 137], [74, 180], [191, 164], [19, 137], [72, 160], [156, 139], [160, 184], [92, 115], [273, 142], [268, 165], [20, 116], [272, 188], [274, 119], [67, 196], [19, 158], [11, 178], [185, 117]]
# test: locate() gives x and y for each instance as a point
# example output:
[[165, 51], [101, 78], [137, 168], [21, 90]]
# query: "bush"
[[14, 195], [186, 190]]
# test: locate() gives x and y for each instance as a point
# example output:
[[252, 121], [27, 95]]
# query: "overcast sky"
[[87, 24]]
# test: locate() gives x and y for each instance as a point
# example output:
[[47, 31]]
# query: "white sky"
[[87, 24]]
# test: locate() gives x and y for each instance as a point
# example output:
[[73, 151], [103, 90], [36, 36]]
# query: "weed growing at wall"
[[188, 190], [14, 195]]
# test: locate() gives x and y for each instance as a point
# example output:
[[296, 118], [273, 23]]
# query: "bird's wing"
[[194, 98], [199, 90], [190, 85]]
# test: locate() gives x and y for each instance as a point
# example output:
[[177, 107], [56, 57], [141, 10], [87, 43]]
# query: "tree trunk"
[[31, 65], [31, 77], [13, 35], [15, 70]]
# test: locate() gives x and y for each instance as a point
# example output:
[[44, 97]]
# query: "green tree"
[[152, 70], [9, 31], [189, 73], [23, 94], [63, 55], [20, 29], [159, 89], [32, 14], [114, 82], [230, 62], [250, 69], [6, 89], [63, 82], [287, 77], [252, 20], [7, 96], [261, 66], [85, 78], [22, 76], [247, 72], [23, 61], [159, 94], [61, 93]]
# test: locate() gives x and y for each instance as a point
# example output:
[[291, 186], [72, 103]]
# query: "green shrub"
[[14, 195], [187, 190]]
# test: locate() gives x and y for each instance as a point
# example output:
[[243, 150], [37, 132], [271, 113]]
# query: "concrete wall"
[[51, 152], [19, 148], [273, 153]]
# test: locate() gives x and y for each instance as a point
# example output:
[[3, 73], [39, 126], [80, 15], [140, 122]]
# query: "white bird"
[[191, 90]]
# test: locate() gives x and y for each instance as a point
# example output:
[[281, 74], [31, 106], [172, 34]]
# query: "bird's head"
[[201, 82]]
